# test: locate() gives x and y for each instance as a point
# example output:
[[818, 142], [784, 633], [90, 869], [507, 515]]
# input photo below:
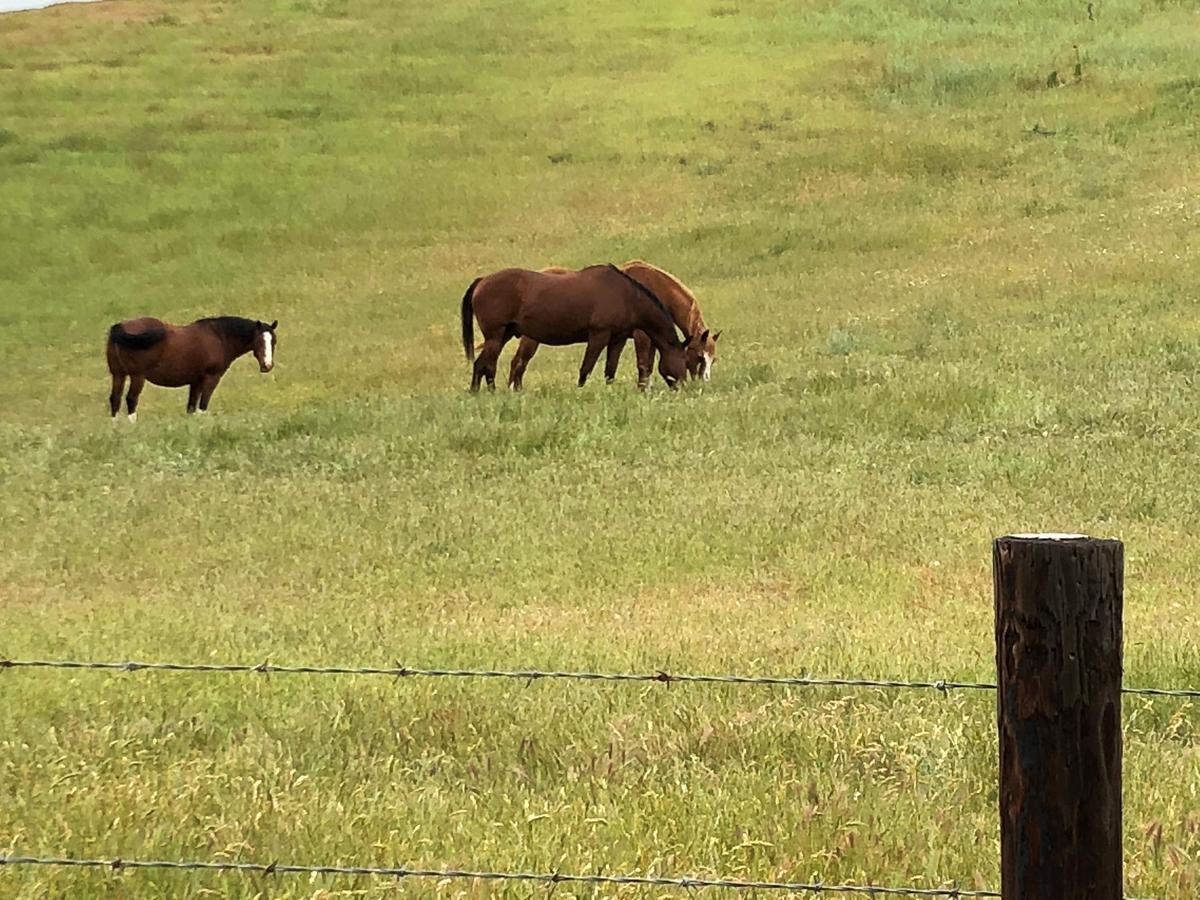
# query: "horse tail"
[[468, 320], [143, 340]]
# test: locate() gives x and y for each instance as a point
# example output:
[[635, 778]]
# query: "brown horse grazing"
[[701, 350], [599, 305], [174, 355]]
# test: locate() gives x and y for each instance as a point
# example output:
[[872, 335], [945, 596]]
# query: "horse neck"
[[656, 322], [679, 303], [232, 345]]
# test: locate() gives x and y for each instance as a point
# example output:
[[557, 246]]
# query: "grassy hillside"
[[956, 302]]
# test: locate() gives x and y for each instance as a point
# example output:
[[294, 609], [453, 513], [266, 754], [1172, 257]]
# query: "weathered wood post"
[[1058, 663]]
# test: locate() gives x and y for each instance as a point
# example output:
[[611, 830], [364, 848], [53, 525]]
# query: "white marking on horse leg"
[[133, 418], [268, 341]]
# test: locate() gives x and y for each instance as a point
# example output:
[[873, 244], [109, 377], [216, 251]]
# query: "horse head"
[[265, 343], [701, 353], [673, 362]]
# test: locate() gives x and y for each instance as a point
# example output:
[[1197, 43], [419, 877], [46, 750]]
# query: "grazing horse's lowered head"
[[701, 353], [672, 352], [701, 348]]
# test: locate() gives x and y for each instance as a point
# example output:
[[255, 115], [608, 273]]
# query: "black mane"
[[645, 290], [231, 326]]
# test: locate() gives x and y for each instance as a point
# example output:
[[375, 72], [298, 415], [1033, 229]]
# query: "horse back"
[[581, 288], [557, 307]]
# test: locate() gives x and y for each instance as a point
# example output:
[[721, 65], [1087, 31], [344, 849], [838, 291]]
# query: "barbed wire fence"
[[551, 878], [660, 676], [527, 675]]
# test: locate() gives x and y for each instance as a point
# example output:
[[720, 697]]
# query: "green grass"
[[939, 326]]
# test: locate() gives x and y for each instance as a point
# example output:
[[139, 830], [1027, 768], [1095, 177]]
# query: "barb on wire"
[[276, 868]]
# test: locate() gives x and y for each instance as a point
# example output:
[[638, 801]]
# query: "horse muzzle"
[[265, 369]]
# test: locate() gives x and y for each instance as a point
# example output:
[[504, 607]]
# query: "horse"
[[600, 306], [680, 303], [196, 355]]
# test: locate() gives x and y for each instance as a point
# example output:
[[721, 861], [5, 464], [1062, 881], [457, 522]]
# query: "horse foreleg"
[[615, 347], [193, 397], [645, 358], [516, 372], [207, 386], [136, 383], [114, 396], [597, 340]]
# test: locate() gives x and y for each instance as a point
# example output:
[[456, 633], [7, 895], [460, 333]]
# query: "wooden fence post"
[[1058, 664]]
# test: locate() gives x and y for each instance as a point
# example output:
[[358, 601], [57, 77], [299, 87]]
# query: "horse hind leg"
[[193, 397], [520, 360], [494, 360], [136, 383], [485, 363], [114, 396], [478, 369]]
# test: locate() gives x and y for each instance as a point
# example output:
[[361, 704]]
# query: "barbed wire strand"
[[662, 677], [401, 671], [546, 877]]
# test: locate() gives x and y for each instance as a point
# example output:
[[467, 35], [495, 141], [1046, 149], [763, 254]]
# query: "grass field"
[[940, 325]]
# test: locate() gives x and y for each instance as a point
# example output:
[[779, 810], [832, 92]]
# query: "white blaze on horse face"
[[706, 372], [267, 356]]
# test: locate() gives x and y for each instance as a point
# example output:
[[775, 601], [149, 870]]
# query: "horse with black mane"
[[600, 306], [196, 355]]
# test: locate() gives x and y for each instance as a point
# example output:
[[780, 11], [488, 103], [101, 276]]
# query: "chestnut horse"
[[195, 355], [680, 303], [599, 305]]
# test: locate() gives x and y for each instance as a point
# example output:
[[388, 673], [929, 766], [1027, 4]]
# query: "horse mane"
[[687, 291], [695, 318], [231, 326], [649, 293]]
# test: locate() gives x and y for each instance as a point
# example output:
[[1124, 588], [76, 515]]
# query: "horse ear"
[[715, 336], [687, 339], [704, 337], [273, 325]]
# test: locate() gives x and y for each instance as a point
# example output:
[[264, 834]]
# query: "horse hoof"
[[132, 418]]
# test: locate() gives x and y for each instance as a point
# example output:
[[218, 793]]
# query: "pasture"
[[956, 302]]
